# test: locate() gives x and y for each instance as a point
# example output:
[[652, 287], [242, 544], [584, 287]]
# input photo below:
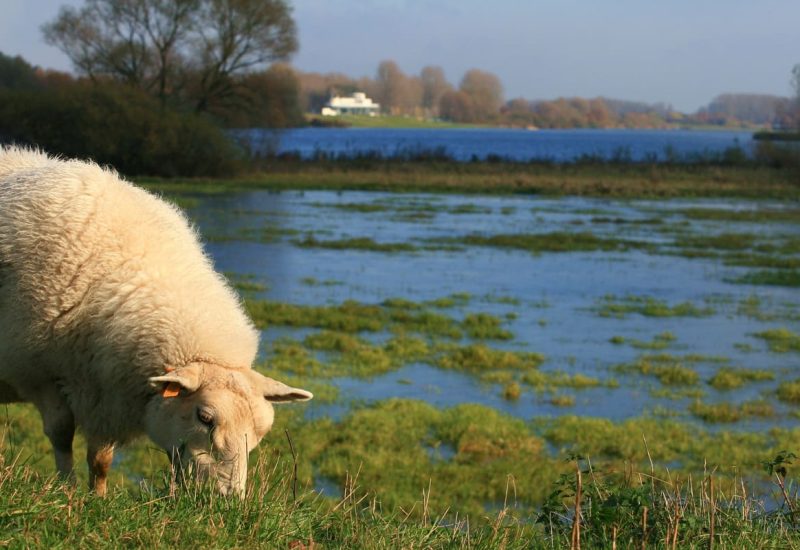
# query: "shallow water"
[[555, 295]]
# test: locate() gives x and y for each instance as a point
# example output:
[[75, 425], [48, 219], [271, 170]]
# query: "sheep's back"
[[96, 261]]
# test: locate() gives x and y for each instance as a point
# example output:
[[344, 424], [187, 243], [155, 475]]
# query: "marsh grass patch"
[[789, 391], [660, 341], [729, 378], [355, 243], [246, 283], [780, 340], [396, 315], [313, 281], [755, 215], [479, 358], [790, 278], [536, 243], [730, 412], [482, 326], [620, 307], [668, 371], [766, 309]]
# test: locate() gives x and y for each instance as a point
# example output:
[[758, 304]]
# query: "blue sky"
[[679, 51]]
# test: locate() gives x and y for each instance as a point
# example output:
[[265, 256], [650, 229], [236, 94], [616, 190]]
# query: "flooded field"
[[684, 308], [460, 345]]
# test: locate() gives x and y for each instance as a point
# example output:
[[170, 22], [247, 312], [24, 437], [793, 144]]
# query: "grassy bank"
[[385, 121], [585, 508], [595, 179]]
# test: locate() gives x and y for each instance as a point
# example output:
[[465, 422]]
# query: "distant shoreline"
[[400, 122]]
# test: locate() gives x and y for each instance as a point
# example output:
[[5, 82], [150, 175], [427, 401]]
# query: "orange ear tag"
[[172, 389]]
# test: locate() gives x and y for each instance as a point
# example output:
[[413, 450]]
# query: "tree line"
[[206, 56], [429, 94], [479, 98], [157, 81]]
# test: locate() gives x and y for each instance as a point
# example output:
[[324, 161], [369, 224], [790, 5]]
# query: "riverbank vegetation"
[[598, 179]]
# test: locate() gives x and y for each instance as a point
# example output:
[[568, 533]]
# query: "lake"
[[518, 145], [619, 296]]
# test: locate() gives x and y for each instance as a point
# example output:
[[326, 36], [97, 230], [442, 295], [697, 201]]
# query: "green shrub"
[[118, 126]]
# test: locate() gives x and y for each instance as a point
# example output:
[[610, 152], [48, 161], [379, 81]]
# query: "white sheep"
[[113, 319]]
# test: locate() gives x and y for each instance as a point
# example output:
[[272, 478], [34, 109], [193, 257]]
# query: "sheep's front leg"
[[99, 456], [59, 426]]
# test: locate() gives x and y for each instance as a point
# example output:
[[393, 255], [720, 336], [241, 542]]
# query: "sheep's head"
[[208, 418]]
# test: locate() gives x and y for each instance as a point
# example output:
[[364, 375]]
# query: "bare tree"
[[392, 86], [796, 86], [136, 41], [156, 45], [434, 86], [457, 106], [236, 36], [484, 90]]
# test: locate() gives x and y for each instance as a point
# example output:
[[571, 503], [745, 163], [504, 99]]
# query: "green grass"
[[396, 315], [780, 340], [728, 378], [313, 281], [394, 121], [512, 391], [39, 512], [246, 284], [399, 489], [604, 180], [668, 371], [622, 306], [728, 412], [482, 326], [753, 306], [347, 355], [562, 400], [480, 358], [559, 241], [789, 391], [659, 342], [756, 215], [723, 241], [457, 299], [550, 380], [790, 278], [356, 243]]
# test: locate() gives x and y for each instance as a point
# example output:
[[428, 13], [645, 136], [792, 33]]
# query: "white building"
[[356, 104]]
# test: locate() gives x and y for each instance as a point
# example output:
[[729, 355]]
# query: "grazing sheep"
[[114, 320]]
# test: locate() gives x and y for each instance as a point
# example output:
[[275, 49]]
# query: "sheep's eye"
[[205, 418]]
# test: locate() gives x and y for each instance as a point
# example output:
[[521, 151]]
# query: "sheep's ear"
[[278, 392], [185, 379]]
